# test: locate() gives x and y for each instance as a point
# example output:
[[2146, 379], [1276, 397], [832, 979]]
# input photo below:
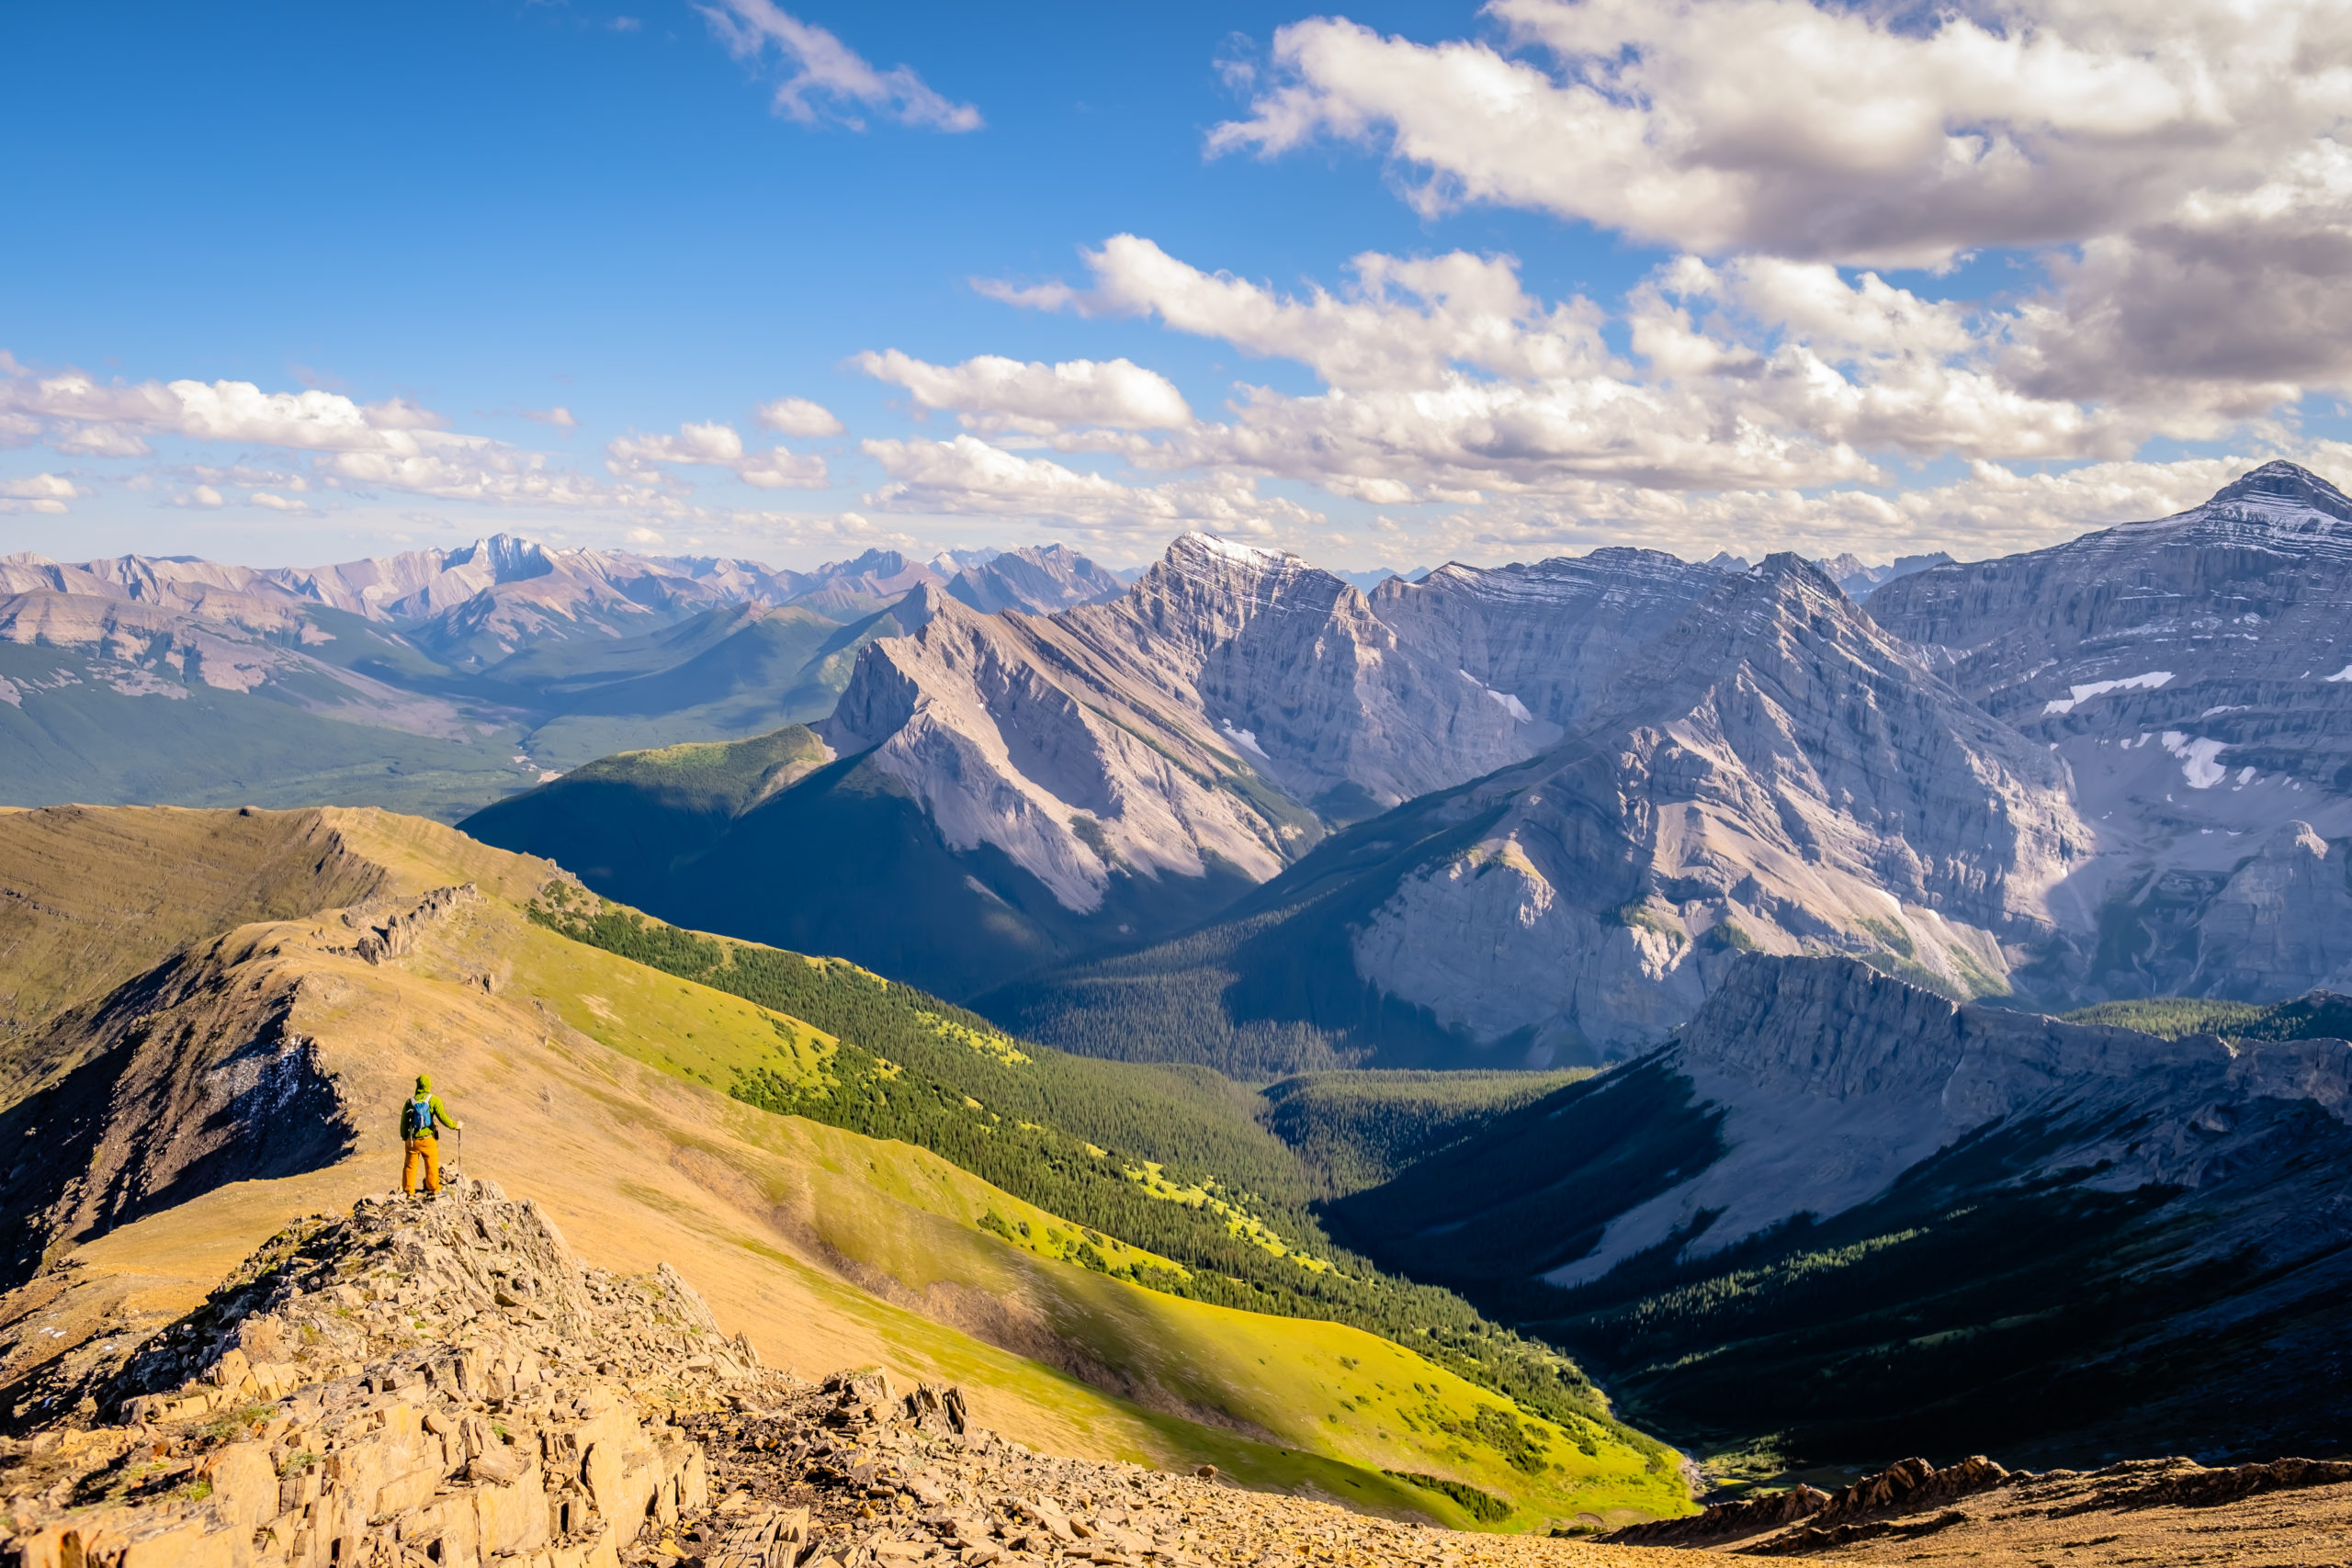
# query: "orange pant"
[[424, 1160]]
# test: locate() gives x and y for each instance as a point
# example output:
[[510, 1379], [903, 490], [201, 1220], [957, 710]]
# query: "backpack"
[[416, 1117]]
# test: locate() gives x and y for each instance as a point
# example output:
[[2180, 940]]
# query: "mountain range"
[[438, 680], [1246, 814]]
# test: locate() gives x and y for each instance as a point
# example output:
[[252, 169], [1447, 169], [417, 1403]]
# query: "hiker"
[[419, 1116]]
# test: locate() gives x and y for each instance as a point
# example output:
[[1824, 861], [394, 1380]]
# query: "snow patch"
[[2196, 759], [1509, 703], [1245, 739], [2083, 694], [1232, 552], [2343, 674]]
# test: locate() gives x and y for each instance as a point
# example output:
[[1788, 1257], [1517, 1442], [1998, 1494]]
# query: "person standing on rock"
[[420, 1117]]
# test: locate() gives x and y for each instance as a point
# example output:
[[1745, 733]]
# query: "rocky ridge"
[[441, 1381], [1180, 726]]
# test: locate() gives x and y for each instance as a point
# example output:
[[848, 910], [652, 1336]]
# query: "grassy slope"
[[828, 1247], [83, 909], [1107, 1145], [1317, 1387]]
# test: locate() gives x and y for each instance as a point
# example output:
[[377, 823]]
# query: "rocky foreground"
[[442, 1384]]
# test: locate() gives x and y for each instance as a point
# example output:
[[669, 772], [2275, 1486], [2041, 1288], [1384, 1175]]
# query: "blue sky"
[[481, 208]]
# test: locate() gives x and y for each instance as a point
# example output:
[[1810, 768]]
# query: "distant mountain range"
[[438, 680]]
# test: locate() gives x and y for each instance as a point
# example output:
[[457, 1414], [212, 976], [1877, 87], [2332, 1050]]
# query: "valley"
[[437, 681]]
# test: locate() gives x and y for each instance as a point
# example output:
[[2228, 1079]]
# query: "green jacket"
[[418, 1114]]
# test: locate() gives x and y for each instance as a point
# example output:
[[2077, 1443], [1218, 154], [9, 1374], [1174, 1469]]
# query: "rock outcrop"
[[441, 1382], [1186, 722], [1772, 772], [430, 1380]]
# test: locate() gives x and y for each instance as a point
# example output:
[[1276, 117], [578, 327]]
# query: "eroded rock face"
[[1834, 1080], [1181, 722], [1772, 772], [2195, 675]]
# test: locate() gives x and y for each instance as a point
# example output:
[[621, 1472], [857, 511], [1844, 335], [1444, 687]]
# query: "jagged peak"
[[1196, 542], [2278, 483]]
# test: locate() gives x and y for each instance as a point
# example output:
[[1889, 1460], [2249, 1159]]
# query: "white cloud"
[[797, 416], [714, 445], [1402, 322], [77, 413], [1444, 376], [558, 416], [779, 469], [993, 393], [1992, 511], [829, 74], [1854, 134], [38, 492], [203, 496], [282, 504], [968, 475]]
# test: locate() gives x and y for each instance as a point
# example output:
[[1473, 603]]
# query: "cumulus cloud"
[[797, 416], [1858, 134], [38, 492], [993, 393], [76, 412], [968, 475], [2176, 173], [779, 469], [1398, 323], [558, 416], [827, 77], [1444, 373], [715, 445], [1445, 376]]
